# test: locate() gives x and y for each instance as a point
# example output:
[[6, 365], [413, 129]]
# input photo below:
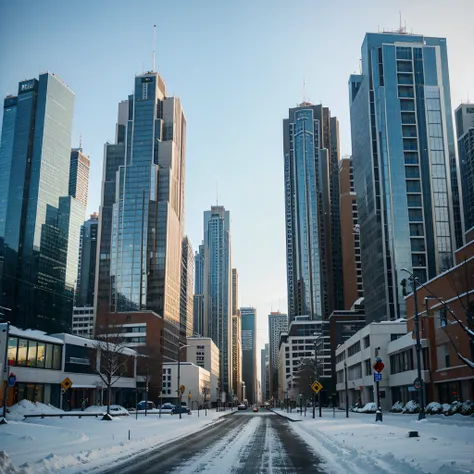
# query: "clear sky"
[[237, 65]]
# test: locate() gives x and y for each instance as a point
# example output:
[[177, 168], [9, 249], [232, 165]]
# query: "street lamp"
[[179, 377], [316, 367], [414, 281], [5, 368]]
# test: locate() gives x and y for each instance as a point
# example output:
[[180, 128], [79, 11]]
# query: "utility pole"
[[146, 389], [378, 415], [421, 413], [5, 371], [346, 389]]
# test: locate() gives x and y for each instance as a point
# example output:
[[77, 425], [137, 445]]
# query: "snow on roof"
[[34, 334], [83, 341]]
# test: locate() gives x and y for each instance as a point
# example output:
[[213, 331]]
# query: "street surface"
[[245, 442]]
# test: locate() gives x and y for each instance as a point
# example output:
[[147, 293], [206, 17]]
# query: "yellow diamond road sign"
[[317, 386], [66, 383]]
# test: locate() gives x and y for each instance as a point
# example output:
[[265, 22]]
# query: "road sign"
[[378, 365], [377, 377], [317, 386], [66, 383], [182, 388], [11, 379], [417, 383]]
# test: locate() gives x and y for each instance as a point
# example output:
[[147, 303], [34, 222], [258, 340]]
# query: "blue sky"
[[237, 66]]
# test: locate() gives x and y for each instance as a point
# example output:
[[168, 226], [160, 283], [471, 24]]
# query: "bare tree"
[[305, 377], [111, 361]]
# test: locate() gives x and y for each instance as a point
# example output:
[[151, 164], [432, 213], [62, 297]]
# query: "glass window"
[[407, 105], [31, 362], [40, 355], [412, 172], [413, 186], [49, 357], [57, 357], [22, 352], [414, 200], [416, 230], [418, 260], [403, 52], [418, 245], [443, 320], [415, 215], [12, 348]]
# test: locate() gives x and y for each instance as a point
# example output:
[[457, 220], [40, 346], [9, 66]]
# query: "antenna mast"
[[154, 48]]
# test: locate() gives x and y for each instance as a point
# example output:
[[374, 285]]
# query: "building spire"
[[153, 58], [80, 143]]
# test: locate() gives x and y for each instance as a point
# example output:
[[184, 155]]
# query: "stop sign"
[[378, 366]]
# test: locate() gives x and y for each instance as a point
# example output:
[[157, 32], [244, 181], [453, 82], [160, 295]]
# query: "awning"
[[84, 386]]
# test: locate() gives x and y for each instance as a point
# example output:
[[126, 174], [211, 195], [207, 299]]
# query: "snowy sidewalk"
[[360, 445], [47, 445]]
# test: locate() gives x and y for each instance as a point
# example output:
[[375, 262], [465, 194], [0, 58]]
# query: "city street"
[[245, 442]]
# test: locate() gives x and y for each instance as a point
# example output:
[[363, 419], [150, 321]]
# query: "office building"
[[198, 303], [235, 291], [79, 175], [83, 321], [264, 353], [218, 288], [464, 116], [87, 262], [350, 235], [203, 352], [237, 355], [142, 210], [405, 167], [277, 324], [249, 352], [187, 287], [313, 241], [35, 159]]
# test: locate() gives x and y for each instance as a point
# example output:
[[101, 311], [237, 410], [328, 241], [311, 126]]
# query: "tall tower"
[[187, 284], [145, 209], [34, 174], [313, 240], [277, 324], [236, 337], [218, 288], [464, 116], [198, 303], [249, 352], [405, 167], [79, 175]]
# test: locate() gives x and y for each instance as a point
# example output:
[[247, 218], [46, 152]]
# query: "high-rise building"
[[142, 212], [237, 354], [87, 262], [187, 284], [249, 352], [313, 240], [79, 175], [34, 174], [235, 291], [277, 324], [218, 288], [198, 303], [464, 117], [350, 236], [405, 167], [264, 373]]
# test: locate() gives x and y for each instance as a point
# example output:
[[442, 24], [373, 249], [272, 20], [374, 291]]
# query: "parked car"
[[177, 410], [149, 405], [242, 407], [167, 406], [255, 409]]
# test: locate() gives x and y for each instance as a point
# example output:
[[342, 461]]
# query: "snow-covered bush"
[[397, 407], [356, 407], [411, 407], [467, 408], [446, 407], [455, 407], [370, 407], [434, 408]]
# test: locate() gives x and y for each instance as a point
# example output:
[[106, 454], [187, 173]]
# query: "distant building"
[[83, 321], [199, 326], [187, 288], [249, 352], [277, 324], [79, 176], [264, 353], [237, 354]]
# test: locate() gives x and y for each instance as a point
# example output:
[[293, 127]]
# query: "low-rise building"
[[195, 380], [203, 352], [83, 321]]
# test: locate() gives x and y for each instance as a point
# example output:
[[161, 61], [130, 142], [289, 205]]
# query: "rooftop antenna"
[[154, 49], [80, 142], [304, 90], [217, 192]]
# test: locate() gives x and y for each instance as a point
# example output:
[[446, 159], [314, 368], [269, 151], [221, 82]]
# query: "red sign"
[[378, 367]]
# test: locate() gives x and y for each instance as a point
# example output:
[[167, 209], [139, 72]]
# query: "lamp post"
[[301, 404], [5, 370], [179, 377], [316, 366], [421, 413], [346, 389]]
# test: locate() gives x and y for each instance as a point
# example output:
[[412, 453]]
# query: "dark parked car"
[[141, 405], [177, 410]]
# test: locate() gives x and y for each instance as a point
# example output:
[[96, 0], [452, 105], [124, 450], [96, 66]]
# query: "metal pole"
[[378, 414], [5, 371], [146, 389], [346, 389], [421, 413], [301, 404], [136, 403], [179, 389], [161, 401]]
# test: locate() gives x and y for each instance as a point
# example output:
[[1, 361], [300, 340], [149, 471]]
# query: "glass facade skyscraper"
[[143, 209], [79, 175], [34, 161], [464, 116], [198, 303], [187, 284], [313, 237], [218, 288], [405, 167], [248, 317]]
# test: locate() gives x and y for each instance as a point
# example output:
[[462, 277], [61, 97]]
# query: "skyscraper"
[[277, 323], [198, 303], [464, 117], [405, 169], [35, 159], [350, 236], [87, 262], [313, 241], [264, 372], [187, 284], [79, 175], [249, 352], [235, 291], [236, 337], [218, 288], [144, 195]]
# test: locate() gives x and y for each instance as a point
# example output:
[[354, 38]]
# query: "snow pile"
[[25, 407], [411, 407], [370, 407], [397, 407], [467, 408], [115, 410], [434, 408]]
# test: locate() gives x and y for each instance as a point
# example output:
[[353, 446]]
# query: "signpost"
[[377, 377], [417, 383], [66, 383], [378, 366], [317, 386], [11, 380]]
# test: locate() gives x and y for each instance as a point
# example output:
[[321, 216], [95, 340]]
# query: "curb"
[[283, 416]]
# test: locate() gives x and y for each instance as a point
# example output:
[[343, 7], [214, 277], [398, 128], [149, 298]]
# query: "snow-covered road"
[[245, 443]]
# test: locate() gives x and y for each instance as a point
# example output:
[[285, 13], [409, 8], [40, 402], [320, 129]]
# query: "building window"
[[443, 318], [447, 362], [366, 341], [368, 367]]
